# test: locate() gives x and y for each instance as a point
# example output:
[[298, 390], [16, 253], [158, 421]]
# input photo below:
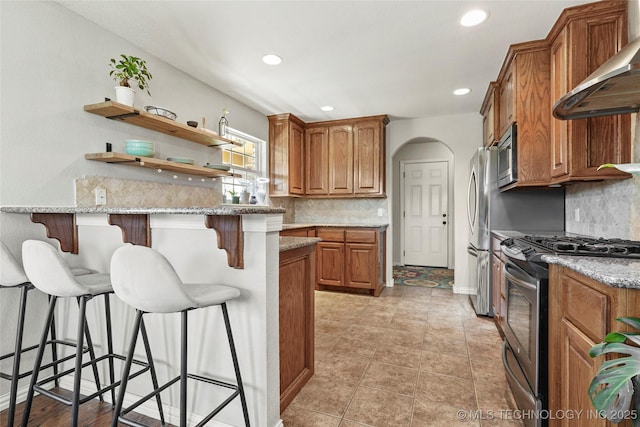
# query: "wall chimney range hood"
[[614, 88]]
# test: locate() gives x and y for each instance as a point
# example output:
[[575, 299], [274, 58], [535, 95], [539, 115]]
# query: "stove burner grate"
[[587, 246]]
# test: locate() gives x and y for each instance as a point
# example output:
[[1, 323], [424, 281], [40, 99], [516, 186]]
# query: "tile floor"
[[414, 356]]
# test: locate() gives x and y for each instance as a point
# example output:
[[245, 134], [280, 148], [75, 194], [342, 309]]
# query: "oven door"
[[521, 320]]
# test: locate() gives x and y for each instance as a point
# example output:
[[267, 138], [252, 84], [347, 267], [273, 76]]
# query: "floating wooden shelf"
[[115, 111], [151, 163]]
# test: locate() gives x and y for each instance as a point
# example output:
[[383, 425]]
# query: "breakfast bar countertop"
[[288, 243], [614, 272], [217, 210]]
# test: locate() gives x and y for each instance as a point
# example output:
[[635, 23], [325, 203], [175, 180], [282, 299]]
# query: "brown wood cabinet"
[[286, 155], [297, 277], [581, 313], [582, 39], [299, 232], [352, 258], [498, 291], [490, 118], [524, 99], [341, 158]]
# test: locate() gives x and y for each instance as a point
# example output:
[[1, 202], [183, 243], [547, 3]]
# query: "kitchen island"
[[237, 246]]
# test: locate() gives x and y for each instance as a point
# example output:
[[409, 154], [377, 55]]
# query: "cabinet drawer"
[[361, 236], [331, 234], [586, 307]]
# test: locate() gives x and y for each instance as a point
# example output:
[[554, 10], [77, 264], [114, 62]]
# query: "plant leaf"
[[633, 168]]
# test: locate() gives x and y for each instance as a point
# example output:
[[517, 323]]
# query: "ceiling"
[[401, 58]]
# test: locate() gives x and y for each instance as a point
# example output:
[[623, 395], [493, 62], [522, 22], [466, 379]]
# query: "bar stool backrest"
[[48, 272], [11, 272], [143, 278]]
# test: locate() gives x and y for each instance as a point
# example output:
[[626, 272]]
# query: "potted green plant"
[[235, 198], [613, 389], [125, 69]]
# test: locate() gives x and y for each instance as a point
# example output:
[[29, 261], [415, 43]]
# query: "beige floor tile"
[[454, 391], [379, 408], [342, 367], [295, 416], [325, 395], [413, 356], [397, 355], [391, 378], [446, 364], [427, 414]]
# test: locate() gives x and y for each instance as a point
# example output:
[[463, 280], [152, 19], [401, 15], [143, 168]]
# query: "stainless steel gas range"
[[526, 278]]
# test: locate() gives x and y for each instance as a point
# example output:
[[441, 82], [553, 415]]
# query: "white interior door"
[[426, 219]]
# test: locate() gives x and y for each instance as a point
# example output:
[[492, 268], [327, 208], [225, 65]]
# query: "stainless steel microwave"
[[508, 157]]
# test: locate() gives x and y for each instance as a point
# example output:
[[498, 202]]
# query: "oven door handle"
[[518, 281]]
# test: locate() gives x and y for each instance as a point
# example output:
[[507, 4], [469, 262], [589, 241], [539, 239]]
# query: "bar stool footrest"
[[66, 401], [163, 387]]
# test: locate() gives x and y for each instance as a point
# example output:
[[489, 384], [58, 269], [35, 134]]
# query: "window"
[[245, 160]]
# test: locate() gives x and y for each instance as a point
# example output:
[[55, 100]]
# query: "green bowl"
[[140, 151]]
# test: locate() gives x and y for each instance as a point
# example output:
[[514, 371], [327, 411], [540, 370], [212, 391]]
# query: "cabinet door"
[[507, 99], [340, 160], [361, 265], [488, 124], [330, 263], [490, 119], [296, 159], [597, 140], [278, 157], [368, 147], [559, 87], [317, 160], [496, 287]]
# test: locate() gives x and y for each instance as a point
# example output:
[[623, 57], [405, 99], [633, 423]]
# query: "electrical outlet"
[[101, 196], [576, 214]]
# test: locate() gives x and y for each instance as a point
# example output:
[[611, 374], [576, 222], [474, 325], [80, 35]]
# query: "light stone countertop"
[[288, 243], [614, 272], [217, 210], [357, 225]]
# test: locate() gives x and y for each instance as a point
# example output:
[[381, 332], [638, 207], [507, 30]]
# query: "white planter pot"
[[124, 95]]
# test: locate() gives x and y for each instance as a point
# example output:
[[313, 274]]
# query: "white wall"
[[462, 134], [53, 63]]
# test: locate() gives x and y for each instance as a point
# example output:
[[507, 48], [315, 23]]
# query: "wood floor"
[[46, 412]]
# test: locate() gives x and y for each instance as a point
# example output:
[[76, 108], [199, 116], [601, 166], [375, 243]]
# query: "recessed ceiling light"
[[462, 91], [271, 59], [327, 108], [473, 17]]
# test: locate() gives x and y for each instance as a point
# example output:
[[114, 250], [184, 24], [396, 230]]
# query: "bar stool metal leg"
[[38, 363], [92, 352], [236, 366], [16, 355], [107, 312], [152, 368], [127, 369]]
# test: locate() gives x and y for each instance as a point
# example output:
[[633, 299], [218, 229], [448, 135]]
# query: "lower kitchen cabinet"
[[351, 258], [299, 232], [297, 278], [498, 292], [581, 313]]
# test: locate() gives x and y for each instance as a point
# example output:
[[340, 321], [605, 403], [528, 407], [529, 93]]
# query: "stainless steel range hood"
[[614, 88]]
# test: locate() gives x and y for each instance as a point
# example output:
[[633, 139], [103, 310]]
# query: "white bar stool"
[[48, 272], [144, 279], [12, 276]]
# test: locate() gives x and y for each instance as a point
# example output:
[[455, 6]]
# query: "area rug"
[[430, 277]]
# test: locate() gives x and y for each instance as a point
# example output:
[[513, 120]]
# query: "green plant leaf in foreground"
[[633, 168], [612, 389]]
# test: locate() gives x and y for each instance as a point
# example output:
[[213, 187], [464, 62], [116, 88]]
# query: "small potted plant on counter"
[[125, 69], [235, 198], [614, 390]]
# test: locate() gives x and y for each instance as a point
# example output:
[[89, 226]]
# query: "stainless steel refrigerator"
[[489, 209]]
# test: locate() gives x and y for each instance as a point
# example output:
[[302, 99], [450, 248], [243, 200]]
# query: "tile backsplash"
[[149, 194], [341, 211]]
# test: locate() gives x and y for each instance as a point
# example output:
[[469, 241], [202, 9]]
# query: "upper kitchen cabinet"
[[581, 40], [342, 158], [490, 119], [524, 99], [286, 155]]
